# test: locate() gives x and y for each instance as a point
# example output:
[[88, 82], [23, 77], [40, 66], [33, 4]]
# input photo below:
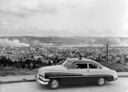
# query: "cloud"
[[24, 8], [63, 17]]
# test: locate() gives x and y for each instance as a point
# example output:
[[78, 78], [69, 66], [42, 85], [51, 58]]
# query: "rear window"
[[93, 66]]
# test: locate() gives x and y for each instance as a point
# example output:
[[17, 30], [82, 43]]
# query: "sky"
[[64, 18]]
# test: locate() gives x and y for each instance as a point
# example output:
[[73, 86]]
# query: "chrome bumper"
[[41, 80]]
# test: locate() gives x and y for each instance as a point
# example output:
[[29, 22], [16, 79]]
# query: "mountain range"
[[62, 41]]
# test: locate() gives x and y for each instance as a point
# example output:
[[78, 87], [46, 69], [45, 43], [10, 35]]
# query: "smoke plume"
[[12, 43]]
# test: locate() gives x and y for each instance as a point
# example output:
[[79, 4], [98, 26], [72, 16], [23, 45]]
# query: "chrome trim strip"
[[80, 76]]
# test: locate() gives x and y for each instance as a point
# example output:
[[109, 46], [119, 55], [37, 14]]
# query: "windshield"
[[67, 64]]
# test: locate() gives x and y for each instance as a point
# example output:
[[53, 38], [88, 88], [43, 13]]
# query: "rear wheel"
[[54, 84], [101, 81]]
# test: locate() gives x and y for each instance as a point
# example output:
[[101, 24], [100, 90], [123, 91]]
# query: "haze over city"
[[64, 18]]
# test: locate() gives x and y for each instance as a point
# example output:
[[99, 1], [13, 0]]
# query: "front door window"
[[79, 66]]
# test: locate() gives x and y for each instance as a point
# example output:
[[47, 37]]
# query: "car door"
[[81, 70], [94, 69], [94, 72]]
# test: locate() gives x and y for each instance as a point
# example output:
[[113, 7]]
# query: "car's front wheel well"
[[59, 79]]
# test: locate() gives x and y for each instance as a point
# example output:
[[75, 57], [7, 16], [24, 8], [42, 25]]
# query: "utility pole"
[[30, 45], [107, 52]]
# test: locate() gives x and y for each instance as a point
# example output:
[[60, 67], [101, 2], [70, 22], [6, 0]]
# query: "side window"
[[79, 66], [93, 66]]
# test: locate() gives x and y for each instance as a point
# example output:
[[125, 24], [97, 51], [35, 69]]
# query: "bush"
[[116, 66]]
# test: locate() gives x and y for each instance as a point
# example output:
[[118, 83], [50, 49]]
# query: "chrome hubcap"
[[101, 81], [54, 84]]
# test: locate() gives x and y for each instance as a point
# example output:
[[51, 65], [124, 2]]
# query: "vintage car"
[[75, 71]]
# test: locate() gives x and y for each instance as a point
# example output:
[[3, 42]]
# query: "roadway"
[[121, 85]]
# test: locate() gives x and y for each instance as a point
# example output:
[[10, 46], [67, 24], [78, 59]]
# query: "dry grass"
[[14, 71]]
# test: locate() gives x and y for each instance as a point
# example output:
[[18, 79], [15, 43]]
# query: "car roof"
[[75, 60]]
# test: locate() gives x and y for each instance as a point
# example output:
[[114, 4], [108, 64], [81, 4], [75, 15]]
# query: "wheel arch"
[[59, 79]]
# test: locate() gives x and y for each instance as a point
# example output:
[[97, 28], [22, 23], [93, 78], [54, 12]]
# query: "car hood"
[[55, 68]]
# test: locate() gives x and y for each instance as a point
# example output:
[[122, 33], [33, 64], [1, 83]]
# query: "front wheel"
[[101, 81], [54, 84]]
